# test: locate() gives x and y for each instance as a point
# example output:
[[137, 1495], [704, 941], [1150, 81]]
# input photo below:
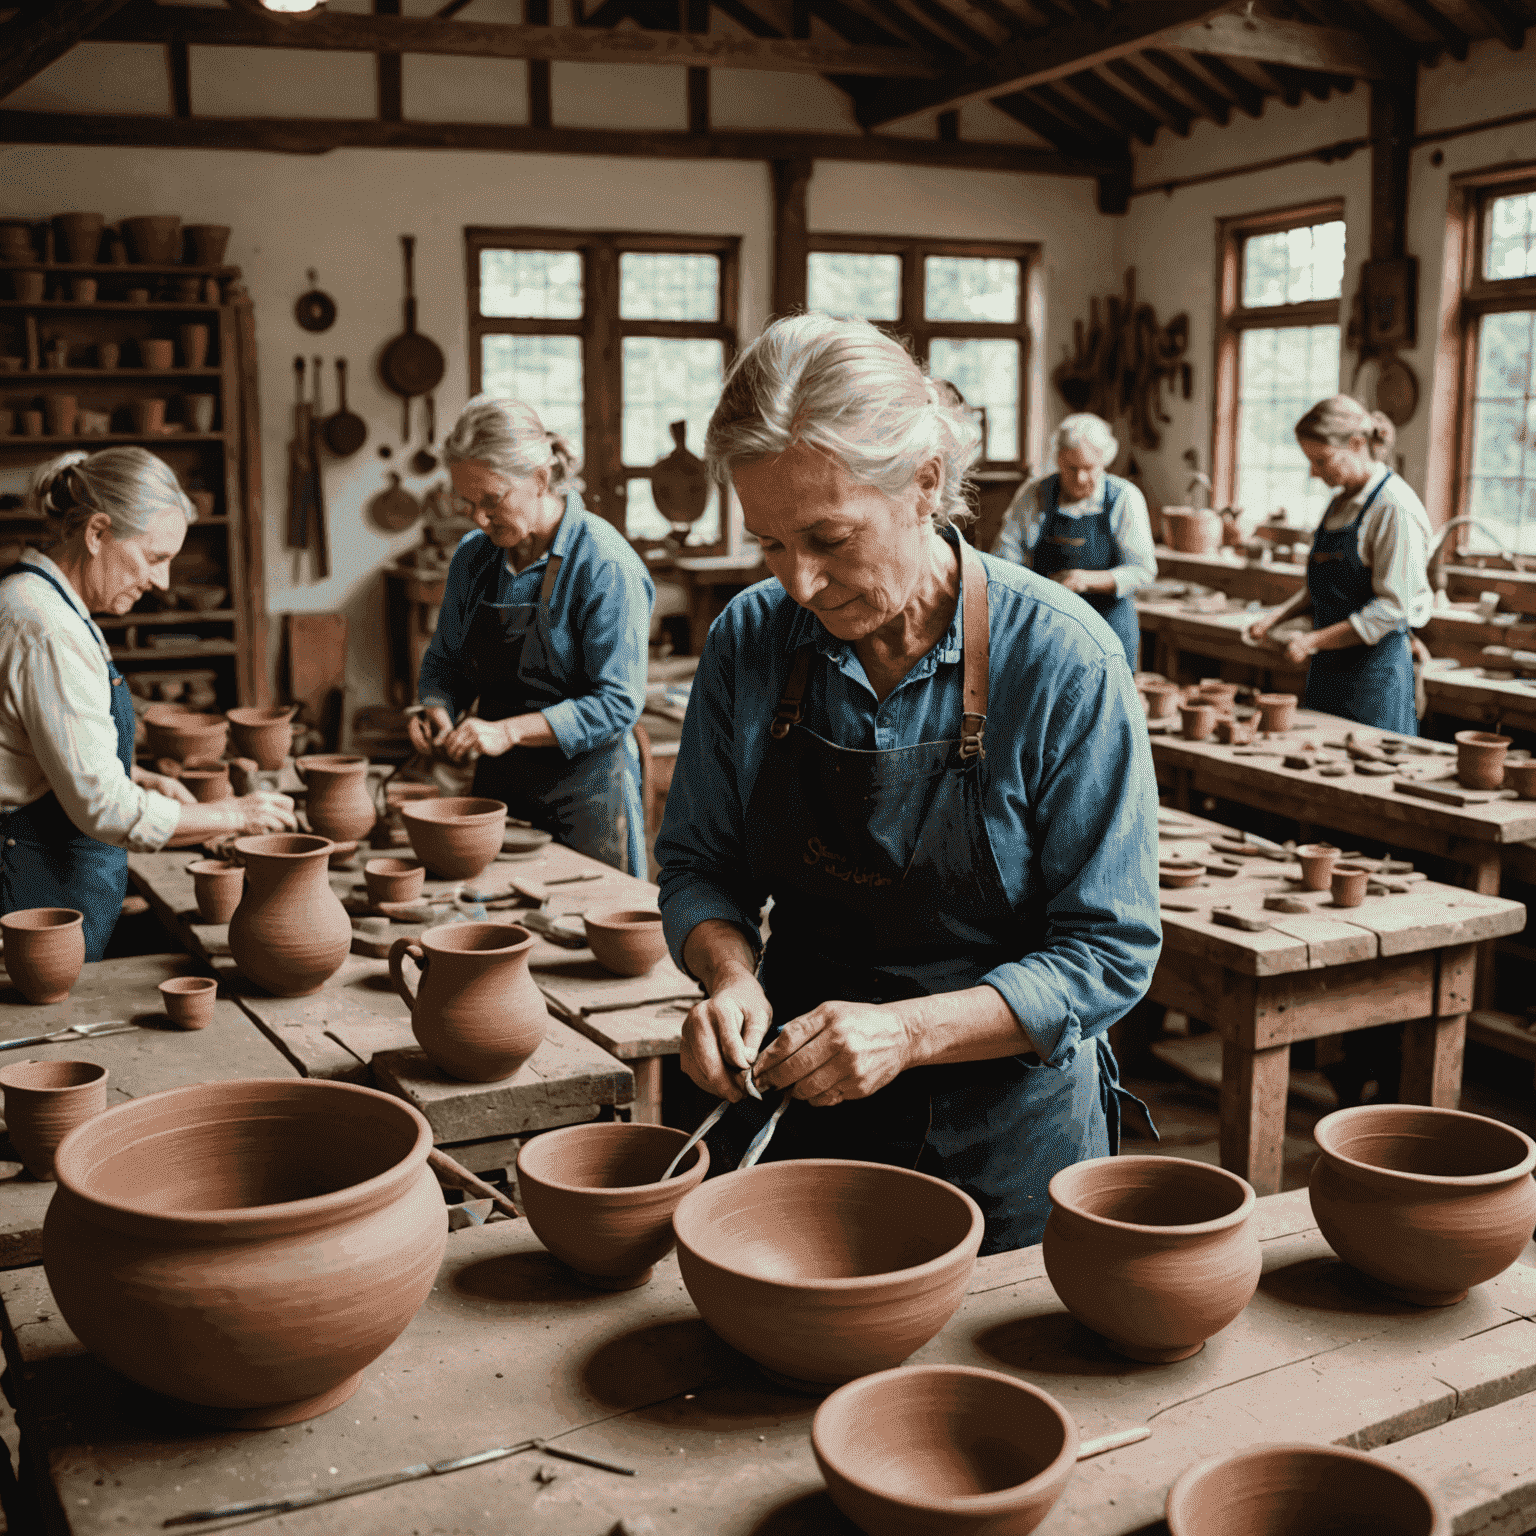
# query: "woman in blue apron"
[[1367, 584], [545, 621], [72, 800], [1086, 529], [934, 763]]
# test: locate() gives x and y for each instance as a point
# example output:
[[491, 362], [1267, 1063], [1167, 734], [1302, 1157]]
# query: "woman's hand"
[[164, 784], [263, 811], [428, 728], [1299, 648], [1259, 628], [838, 1051], [478, 738], [722, 1034], [1075, 581]]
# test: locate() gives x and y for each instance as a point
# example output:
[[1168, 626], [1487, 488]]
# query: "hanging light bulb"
[[277, 7]]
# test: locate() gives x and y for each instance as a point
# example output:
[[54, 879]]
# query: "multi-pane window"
[[1278, 354], [960, 303], [612, 339]]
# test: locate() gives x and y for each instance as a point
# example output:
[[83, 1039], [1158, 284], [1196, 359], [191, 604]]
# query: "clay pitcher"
[[290, 933], [339, 805], [477, 1012]]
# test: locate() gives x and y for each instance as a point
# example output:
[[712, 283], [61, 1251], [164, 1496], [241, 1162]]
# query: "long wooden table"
[[508, 1348]]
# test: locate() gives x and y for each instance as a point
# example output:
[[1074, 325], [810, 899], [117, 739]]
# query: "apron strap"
[[977, 643], [787, 711], [551, 572]]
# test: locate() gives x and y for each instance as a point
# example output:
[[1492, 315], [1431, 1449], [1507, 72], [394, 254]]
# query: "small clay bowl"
[[44, 951], [189, 1000], [948, 1450], [208, 784], [1348, 883], [455, 836], [627, 942], [1176, 875], [1298, 1490], [219, 887], [1222, 695], [44, 1102], [1521, 777], [1198, 720], [1317, 861], [1277, 711], [1480, 759], [393, 880], [1234, 733]]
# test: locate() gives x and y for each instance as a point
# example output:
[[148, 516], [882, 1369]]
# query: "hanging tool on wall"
[[299, 478], [317, 502]]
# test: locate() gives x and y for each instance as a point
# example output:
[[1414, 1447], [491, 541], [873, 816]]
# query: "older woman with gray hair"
[[1085, 528], [935, 765], [72, 800], [545, 621]]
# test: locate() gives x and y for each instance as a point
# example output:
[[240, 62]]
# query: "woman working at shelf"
[[72, 800]]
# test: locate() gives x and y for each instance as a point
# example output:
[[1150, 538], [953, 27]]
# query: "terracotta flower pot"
[[194, 345], [1299, 1490], [393, 880], [155, 353], [265, 734], [206, 243], [1192, 530], [592, 1195], [218, 886], [44, 951], [1154, 1254], [1521, 777], [190, 738], [823, 1270], [1162, 699], [83, 290], [45, 1101], [338, 806], [1234, 733], [77, 237], [208, 784], [189, 1000], [944, 1450], [628, 943], [1480, 759], [289, 934], [1277, 711], [1426, 1202], [1178, 874], [1198, 720], [154, 239], [455, 837], [108, 354], [477, 1012], [1348, 883], [246, 1247], [1317, 861]]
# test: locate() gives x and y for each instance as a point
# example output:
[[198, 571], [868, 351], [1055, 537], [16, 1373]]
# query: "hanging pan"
[[411, 364], [346, 431], [314, 310]]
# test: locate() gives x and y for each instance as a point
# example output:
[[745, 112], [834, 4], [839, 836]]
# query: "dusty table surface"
[[507, 1348], [155, 1056]]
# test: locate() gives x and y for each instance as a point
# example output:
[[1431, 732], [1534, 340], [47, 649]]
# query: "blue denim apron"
[[874, 904], [1088, 543], [578, 800], [45, 859], [1371, 684]]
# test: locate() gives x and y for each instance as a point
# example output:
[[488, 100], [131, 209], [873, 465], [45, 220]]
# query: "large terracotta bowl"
[[823, 1270], [186, 736], [1155, 1254], [626, 942], [592, 1195], [247, 1247], [455, 836], [944, 1450], [1300, 1490], [263, 734], [1426, 1202]]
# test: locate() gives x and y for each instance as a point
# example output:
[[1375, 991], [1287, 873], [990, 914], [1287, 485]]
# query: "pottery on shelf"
[[1154, 1254], [944, 1450], [1348, 883], [1234, 733], [154, 239], [1277, 711], [1162, 699], [44, 1102], [189, 1000], [1300, 1490], [200, 411], [338, 805], [183, 734], [626, 942], [108, 354], [206, 242], [1317, 861], [208, 784], [289, 934], [1521, 777], [247, 1247], [455, 836], [44, 951], [1178, 874], [149, 417], [77, 237], [30, 286], [83, 290], [194, 345], [218, 886], [155, 353], [594, 1197], [393, 880], [822, 1269], [1426, 1202], [476, 1012], [264, 734], [1198, 719], [61, 412], [1480, 759], [31, 423]]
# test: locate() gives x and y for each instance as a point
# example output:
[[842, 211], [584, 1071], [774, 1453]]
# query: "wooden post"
[[696, 19], [388, 69], [791, 242], [1253, 1090], [1392, 113], [539, 99]]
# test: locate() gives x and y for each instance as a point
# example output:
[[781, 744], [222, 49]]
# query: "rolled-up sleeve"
[[1394, 543], [1021, 526], [445, 679], [1133, 533]]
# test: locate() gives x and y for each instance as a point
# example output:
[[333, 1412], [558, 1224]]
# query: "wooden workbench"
[[507, 1348]]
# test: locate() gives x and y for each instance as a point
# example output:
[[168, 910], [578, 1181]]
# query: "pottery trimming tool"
[[73, 1031]]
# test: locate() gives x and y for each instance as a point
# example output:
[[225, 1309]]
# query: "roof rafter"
[[1298, 44], [1166, 108], [43, 31], [1034, 115], [1243, 91], [1456, 41], [1500, 19], [1217, 107], [1124, 113]]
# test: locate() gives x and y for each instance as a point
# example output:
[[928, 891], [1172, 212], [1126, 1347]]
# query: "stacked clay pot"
[[289, 934], [44, 1102], [263, 734], [246, 1247], [626, 942], [457, 836], [44, 951], [338, 805], [1480, 759]]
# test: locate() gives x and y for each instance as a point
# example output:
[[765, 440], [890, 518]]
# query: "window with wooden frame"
[[1279, 280], [961, 303], [612, 338]]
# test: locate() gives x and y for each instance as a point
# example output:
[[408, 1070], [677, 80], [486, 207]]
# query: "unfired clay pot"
[[1155, 1254], [289, 934], [188, 1000], [208, 784], [190, 738], [944, 1450], [477, 1012], [1234, 733], [77, 237], [1214, 691], [247, 1247], [1300, 1490], [1317, 861], [1198, 720], [45, 1101], [194, 345], [154, 239], [1480, 759], [339, 806], [218, 886], [626, 942], [156, 352], [393, 879], [456, 836], [1162, 699], [1192, 530], [206, 243], [1426, 1202], [823, 1270], [1521, 777], [592, 1196], [265, 734], [1277, 711], [1177, 874], [44, 951], [1348, 883]]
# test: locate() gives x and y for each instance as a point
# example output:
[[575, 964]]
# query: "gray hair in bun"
[[130, 485], [508, 436], [1341, 417]]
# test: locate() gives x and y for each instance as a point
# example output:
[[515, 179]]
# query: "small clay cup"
[[1234, 733], [1162, 700], [946, 1450], [108, 354], [138, 295], [1521, 777], [62, 413], [45, 1101], [148, 417], [208, 784], [30, 286], [57, 356], [1277, 711], [194, 345], [83, 290], [1177, 874], [44, 951], [1214, 691], [1348, 883], [219, 887], [626, 942], [189, 1000], [31, 423], [1317, 861], [1480, 759], [1198, 720], [206, 242], [1298, 1490], [156, 353], [393, 880]]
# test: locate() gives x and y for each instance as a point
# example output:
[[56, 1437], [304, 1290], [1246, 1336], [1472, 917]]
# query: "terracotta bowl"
[[1154, 1254], [592, 1196], [455, 836], [1521, 777], [186, 736], [1162, 700], [823, 1270], [189, 1000], [393, 880], [1480, 759], [628, 943], [1426, 1202], [1198, 719], [247, 1247], [944, 1450], [1300, 1490], [208, 784], [44, 951], [1317, 861], [1222, 695], [1176, 875]]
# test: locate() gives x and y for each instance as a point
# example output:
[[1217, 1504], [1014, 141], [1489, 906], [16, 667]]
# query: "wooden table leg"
[[1484, 869], [1253, 1089], [646, 1108], [1432, 1052]]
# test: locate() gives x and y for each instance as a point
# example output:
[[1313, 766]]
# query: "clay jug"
[[290, 933], [339, 805], [477, 1012]]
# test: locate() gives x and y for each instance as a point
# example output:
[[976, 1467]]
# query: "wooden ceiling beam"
[[747, 19], [1216, 106], [1166, 108], [1091, 127], [948, 23], [1266, 40], [1501, 20], [905, 27], [1399, 54], [1241, 89], [1125, 114], [1022, 107], [37, 34], [1456, 41]]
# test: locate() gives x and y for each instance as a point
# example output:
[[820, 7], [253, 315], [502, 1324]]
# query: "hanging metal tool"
[[299, 479], [317, 500]]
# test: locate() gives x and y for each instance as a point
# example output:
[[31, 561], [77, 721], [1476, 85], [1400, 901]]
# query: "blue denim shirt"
[[1069, 792]]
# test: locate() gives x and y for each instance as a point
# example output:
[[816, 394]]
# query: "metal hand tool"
[[75, 1031]]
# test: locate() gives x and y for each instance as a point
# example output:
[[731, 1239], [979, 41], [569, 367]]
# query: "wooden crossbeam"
[[1456, 41], [1500, 19], [1242, 90], [1328, 50], [1124, 113], [1217, 107], [38, 33], [1165, 107], [1034, 115]]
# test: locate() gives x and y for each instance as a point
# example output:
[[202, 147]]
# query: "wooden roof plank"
[[35, 35], [1038, 118], [1216, 106], [1267, 40], [1244, 92], [1456, 41], [1168, 109], [1501, 20], [1129, 116]]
